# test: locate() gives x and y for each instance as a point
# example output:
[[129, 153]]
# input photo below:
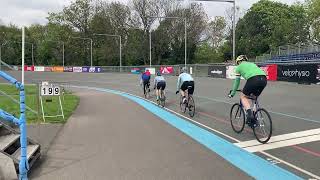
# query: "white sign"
[[44, 83], [39, 68], [50, 91], [77, 69], [231, 72], [151, 70]]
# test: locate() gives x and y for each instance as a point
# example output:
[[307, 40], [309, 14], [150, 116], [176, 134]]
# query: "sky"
[[27, 12]]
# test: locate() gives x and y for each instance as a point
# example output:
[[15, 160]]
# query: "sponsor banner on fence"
[[318, 73], [298, 73], [152, 70], [57, 69], [39, 68], [230, 72], [167, 70], [217, 71], [77, 69], [135, 70], [85, 69], [28, 68], [48, 69], [271, 71], [96, 69], [67, 69]]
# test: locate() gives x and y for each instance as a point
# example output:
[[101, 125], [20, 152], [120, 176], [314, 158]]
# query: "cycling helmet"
[[158, 73], [183, 70], [241, 58]]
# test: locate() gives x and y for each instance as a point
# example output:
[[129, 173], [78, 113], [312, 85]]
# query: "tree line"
[[263, 27]]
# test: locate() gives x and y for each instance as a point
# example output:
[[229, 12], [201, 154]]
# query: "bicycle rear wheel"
[[183, 106], [237, 118], [263, 128], [191, 106]]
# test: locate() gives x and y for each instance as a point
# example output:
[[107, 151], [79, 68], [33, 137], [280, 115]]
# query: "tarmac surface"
[[103, 142], [294, 109]]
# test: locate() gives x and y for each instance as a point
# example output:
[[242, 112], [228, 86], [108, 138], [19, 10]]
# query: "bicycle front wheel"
[[263, 128], [191, 106], [237, 118]]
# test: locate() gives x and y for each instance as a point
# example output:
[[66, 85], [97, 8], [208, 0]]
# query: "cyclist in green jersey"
[[256, 82]]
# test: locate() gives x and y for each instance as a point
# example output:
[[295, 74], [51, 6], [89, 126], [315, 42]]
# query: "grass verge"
[[69, 104]]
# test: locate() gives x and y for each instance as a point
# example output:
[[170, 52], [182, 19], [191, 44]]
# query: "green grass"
[[69, 104]]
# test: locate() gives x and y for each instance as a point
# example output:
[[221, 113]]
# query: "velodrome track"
[[294, 109]]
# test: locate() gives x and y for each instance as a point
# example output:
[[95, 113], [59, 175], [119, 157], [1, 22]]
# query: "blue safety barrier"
[[21, 122]]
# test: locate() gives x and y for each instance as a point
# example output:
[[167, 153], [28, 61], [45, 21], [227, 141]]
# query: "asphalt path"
[[294, 109]]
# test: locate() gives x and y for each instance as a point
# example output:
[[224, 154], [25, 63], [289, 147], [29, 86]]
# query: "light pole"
[[91, 42], [233, 24], [185, 33], [62, 49], [120, 45]]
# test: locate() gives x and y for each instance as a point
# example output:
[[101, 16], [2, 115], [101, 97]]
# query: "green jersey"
[[248, 70]]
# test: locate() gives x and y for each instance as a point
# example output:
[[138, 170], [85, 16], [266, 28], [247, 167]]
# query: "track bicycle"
[[262, 128]]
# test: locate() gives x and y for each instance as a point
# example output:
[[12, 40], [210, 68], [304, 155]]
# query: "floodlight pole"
[[185, 34], [22, 55], [120, 46], [62, 49], [233, 24], [91, 42]]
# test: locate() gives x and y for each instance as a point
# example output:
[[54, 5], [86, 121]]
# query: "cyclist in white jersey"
[[159, 83], [184, 81]]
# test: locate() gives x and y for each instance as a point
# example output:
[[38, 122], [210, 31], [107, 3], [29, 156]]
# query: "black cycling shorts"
[[161, 85], [185, 85], [255, 85]]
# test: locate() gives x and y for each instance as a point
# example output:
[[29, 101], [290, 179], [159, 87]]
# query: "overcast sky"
[[26, 12]]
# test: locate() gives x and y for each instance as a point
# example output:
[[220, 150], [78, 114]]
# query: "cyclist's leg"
[[144, 87], [183, 89], [253, 87], [158, 91], [247, 90], [163, 88]]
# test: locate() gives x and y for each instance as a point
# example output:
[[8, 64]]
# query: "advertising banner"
[[48, 69], [167, 70], [271, 71], [230, 72], [135, 70], [85, 69], [57, 69], [28, 68], [77, 69], [152, 70], [97, 69], [217, 71], [318, 73], [67, 69], [39, 68], [306, 73]]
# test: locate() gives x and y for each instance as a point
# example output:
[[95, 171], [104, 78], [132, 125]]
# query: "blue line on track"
[[251, 164]]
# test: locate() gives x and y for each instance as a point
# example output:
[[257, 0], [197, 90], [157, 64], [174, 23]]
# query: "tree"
[[313, 9], [216, 31], [270, 24]]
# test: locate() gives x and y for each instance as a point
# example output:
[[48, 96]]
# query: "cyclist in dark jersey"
[[256, 82]]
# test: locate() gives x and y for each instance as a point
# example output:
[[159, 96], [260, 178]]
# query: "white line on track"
[[285, 143], [282, 137], [221, 133]]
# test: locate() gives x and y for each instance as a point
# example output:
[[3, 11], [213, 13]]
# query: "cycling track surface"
[[294, 108]]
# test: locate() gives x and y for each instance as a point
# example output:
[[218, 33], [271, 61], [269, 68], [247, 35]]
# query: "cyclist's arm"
[[178, 83], [236, 84]]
